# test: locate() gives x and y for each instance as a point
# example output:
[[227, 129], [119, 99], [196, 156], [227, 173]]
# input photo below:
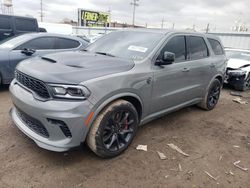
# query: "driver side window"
[[43, 43], [176, 45]]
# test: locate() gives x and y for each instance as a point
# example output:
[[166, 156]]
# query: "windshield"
[[13, 41], [238, 55], [126, 44]]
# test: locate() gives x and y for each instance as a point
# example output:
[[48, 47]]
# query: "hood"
[[237, 63], [73, 67]]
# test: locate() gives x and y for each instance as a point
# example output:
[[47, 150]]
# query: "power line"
[[134, 4]]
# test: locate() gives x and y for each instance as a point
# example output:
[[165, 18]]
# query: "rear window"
[[66, 43], [197, 47], [25, 25], [216, 46], [5, 23]]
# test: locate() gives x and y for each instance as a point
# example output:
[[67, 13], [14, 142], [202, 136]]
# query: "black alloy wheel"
[[213, 95], [113, 129], [118, 130]]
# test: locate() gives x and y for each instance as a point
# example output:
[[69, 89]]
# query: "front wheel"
[[114, 129], [212, 96]]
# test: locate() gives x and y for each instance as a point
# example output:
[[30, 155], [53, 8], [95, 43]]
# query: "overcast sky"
[[221, 14]]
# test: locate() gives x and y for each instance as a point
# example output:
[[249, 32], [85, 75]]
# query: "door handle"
[[6, 34], [149, 80], [185, 69]]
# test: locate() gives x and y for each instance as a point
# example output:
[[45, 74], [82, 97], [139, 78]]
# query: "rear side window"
[[5, 23], [216, 46], [62, 43], [43, 43], [177, 46], [25, 25], [197, 48]]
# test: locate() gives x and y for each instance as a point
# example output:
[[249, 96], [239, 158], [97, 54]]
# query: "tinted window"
[[5, 23], [66, 43], [197, 48], [177, 46], [217, 48], [25, 24], [44, 43]]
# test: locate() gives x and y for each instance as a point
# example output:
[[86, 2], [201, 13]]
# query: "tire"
[[114, 129], [212, 96], [245, 86]]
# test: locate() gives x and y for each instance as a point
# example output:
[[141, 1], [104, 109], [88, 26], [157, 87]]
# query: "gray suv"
[[125, 79]]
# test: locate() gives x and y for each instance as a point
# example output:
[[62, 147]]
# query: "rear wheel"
[[114, 129], [212, 96]]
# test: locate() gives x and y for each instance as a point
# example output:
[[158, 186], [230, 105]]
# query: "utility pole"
[[134, 4], [41, 6], [162, 22], [207, 29]]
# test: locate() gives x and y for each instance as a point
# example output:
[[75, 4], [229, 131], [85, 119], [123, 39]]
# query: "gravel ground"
[[214, 140]]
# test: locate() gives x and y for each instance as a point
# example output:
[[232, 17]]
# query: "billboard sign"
[[93, 18]]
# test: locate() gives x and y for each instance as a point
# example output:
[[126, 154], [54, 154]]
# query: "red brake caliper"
[[126, 124]]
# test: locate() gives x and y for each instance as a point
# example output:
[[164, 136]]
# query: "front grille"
[[33, 123], [229, 69], [33, 84]]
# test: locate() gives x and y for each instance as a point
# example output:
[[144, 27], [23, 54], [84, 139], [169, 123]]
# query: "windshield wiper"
[[104, 53]]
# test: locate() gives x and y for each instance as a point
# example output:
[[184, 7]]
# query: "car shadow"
[[4, 88]]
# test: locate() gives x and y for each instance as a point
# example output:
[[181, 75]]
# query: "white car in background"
[[238, 69]]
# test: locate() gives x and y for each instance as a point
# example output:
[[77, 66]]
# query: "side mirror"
[[168, 58], [28, 52]]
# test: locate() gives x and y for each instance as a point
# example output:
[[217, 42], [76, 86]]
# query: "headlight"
[[69, 91], [238, 72]]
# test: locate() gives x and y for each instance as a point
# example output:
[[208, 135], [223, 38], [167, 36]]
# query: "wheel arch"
[[220, 78], [134, 99]]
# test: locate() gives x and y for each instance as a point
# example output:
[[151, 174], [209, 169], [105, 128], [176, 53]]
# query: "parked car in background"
[[57, 28], [15, 25], [29, 45], [238, 69], [123, 80], [82, 36], [94, 37]]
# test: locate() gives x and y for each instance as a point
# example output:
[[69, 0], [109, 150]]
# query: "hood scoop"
[[49, 60], [75, 66]]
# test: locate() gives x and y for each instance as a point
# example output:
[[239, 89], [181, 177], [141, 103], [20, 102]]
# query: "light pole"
[[134, 4], [41, 6]]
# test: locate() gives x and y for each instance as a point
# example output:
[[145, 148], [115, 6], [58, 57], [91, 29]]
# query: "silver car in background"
[[15, 49], [125, 79]]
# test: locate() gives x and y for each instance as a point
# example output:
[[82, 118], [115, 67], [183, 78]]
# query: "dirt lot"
[[210, 138]]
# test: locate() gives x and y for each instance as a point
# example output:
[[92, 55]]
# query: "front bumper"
[[234, 80], [43, 121]]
